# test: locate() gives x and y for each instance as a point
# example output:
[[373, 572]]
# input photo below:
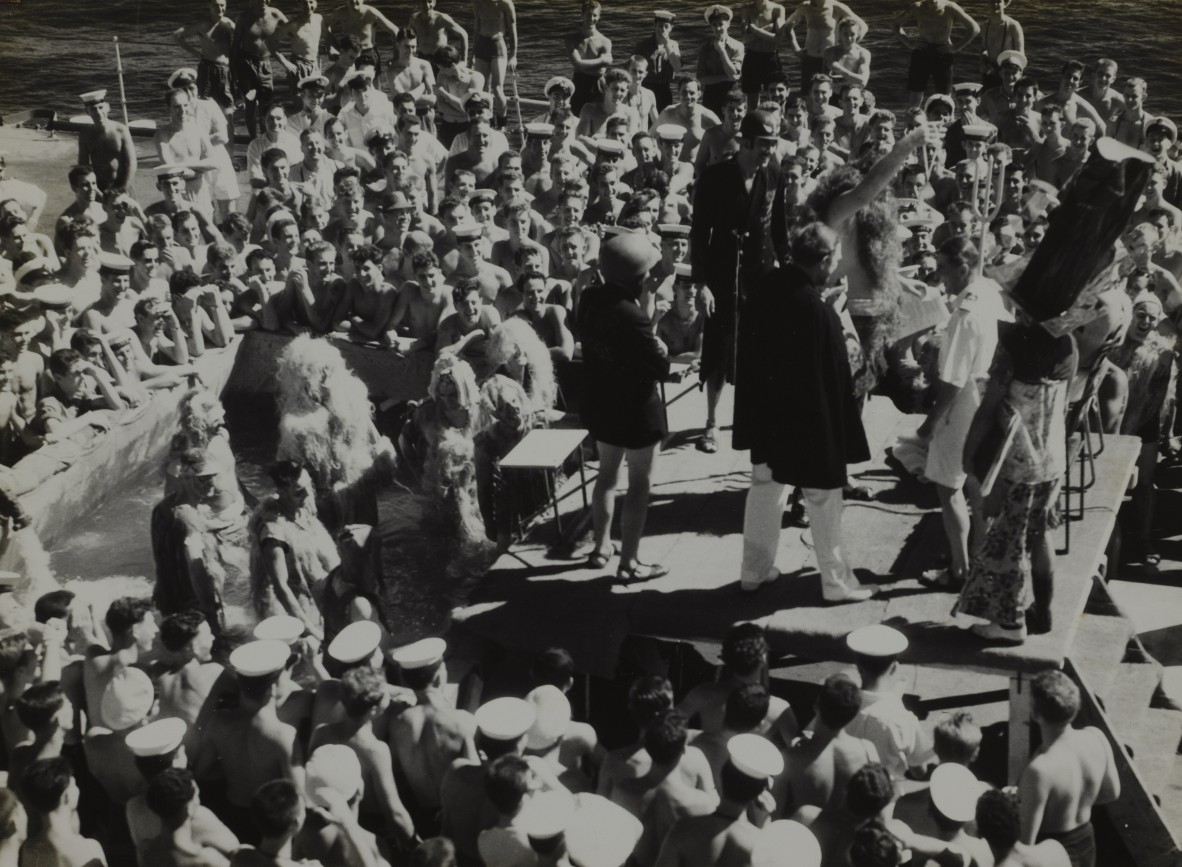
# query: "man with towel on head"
[[331, 834]]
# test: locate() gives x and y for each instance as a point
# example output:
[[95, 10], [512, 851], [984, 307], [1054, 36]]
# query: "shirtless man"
[[495, 47], [999, 824], [422, 304], [744, 657], [466, 331], [933, 51], [548, 320], [357, 18], [369, 300], [726, 837], [411, 74], [761, 29], [213, 37], [248, 746], [590, 55], [106, 146], [425, 739], [999, 33], [172, 798], [304, 31], [50, 791], [1100, 93], [437, 30], [185, 683], [1073, 771], [821, 761], [820, 18], [721, 141], [690, 114], [133, 632], [364, 698], [676, 784], [250, 58], [1067, 95], [472, 263]]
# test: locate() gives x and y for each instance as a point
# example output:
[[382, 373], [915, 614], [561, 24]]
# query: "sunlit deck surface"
[[531, 598]]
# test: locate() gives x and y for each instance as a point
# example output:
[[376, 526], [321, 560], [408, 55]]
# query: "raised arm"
[[971, 26], [840, 11], [455, 31], [509, 14], [789, 26], [185, 35], [880, 175]]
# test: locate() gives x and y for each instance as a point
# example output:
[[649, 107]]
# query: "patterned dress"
[[1033, 371]]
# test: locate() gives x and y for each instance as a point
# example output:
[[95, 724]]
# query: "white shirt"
[[261, 144], [359, 126], [894, 731], [971, 338]]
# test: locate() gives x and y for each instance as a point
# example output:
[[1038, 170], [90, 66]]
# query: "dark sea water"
[[51, 50]]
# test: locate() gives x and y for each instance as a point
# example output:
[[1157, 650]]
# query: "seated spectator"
[[680, 328], [73, 403], [548, 320], [316, 292], [465, 331]]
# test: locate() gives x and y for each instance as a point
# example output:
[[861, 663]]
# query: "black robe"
[[794, 397]]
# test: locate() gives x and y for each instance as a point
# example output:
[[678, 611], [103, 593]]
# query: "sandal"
[[709, 441], [639, 573], [599, 560], [941, 579], [798, 516], [859, 494], [1151, 561]]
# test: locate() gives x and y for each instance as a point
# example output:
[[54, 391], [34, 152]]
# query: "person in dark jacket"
[[799, 418], [738, 231], [623, 364]]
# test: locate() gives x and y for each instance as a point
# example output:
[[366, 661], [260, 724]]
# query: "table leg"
[[552, 485], [583, 478]]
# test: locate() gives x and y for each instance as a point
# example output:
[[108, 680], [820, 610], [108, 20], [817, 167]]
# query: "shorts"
[[1080, 844], [945, 465], [809, 66], [254, 73], [714, 95], [758, 69], [588, 88], [930, 62], [304, 68], [490, 48], [213, 82], [370, 54]]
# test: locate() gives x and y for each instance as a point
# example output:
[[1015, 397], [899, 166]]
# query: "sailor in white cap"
[[967, 96], [1001, 99], [544, 818], [331, 832], [250, 745], [127, 702], [954, 791], [566, 745], [156, 747], [115, 309], [753, 761], [365, 701], [106, 146], [313, 90], [502, 725], [427, 738], [784, 843], [894, 730], [279, 627]]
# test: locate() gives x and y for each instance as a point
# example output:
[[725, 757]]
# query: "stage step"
[[1171, 795], [1097, 652], [1155, 747]]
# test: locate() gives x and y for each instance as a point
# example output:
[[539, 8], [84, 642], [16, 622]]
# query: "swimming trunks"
[[758, 69], [809, 66], [930, 62], [489, 48], [213, 82], [1080, 844], [254, 73]]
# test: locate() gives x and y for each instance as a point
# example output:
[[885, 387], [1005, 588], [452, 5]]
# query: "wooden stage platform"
[[532, 599]]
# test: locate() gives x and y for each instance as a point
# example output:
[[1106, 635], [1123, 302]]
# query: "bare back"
[[1067, 777], [424, 741], [251, 751]]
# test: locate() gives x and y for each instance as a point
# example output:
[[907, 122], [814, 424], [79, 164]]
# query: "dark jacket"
[[794, 398], [622, 368]]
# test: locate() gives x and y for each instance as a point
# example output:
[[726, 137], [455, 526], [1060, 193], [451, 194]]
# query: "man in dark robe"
[[799, 416], [738, 236]]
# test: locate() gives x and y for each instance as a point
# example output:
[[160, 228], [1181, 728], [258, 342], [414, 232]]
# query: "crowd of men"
[[386, 205]]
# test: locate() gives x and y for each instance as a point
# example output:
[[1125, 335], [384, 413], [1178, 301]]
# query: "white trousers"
[[762, 519]]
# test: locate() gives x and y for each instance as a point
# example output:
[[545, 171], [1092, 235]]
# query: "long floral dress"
[[1033, 371]]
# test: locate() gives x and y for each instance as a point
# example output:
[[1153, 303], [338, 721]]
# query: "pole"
[[119, 69], [517, 105]]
